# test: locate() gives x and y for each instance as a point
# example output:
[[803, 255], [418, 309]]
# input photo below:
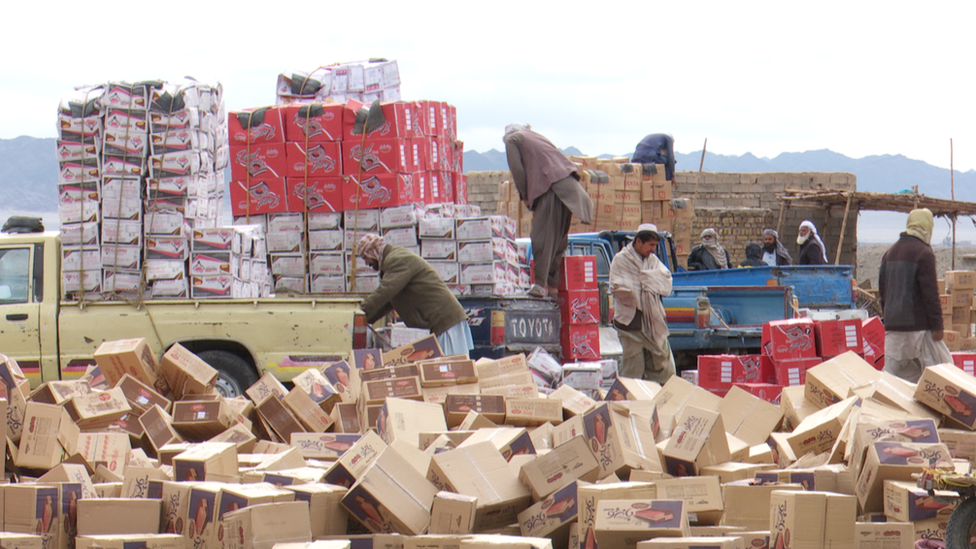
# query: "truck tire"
[[236, 375], [962, 525]]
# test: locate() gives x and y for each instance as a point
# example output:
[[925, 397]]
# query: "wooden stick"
[[952, 188], [843, 228], [782, 211], [701, 164]]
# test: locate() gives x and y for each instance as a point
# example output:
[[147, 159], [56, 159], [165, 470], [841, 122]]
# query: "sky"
[[858, 78]]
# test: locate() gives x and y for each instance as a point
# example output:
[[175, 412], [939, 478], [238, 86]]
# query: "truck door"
[[20, 306]]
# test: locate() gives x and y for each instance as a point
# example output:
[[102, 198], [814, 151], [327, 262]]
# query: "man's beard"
[[802, 239], [770, 248]]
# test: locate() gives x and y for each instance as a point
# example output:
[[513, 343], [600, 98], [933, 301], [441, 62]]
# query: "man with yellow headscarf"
[[910, 302]]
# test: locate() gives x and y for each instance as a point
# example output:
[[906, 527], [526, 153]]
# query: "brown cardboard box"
[[199, 420], [35, 509], [869, 430], [560, 467], [945, 304], [391, 496], [133, 357], [323, 392], [551, 516], [328, 446], [438, 395], [437, 373], [21, 541], [137, 479], [98, 410], [626, 388], [111, 450], [233, 497], [950, 391], [327, 517], [692, 542], [952, 339], [265, 387], [59, 392], [960, 280], [276, 416], [445, 439], [307, 411], [962, 299], [527, 412], [636, 434], [886, 535], [202, 461], [115, 516], [490, 406], [406, 419], [574, 402], [895, 461], [158, 426], [733, 471], [589, 495], [509, 441], [149, 541], [375, 392], [16, 409], [503, 541], [621, 523], [140, 396], [346, 418], [475, 421], [795, 406], [905, 501], [452, 513], [355, 459], [603, 439], [265, 525], [487, 368], [242, 437], [831, 381], [818, 432], [479, 470], [514, 379], [423, 349], [45, 425], [961, 443], [675, 396], [749, 418], [703, 497], [75, 473], [811, 519], [186, 373], [698, 440]]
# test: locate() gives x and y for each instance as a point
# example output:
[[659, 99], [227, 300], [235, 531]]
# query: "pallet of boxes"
[[410, 448]]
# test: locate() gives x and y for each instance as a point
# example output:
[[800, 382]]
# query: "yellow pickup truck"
[[55, 339]]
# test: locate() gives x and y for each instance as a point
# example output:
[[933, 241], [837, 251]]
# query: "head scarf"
[[920, 224], [371, 247], [813, 234], [516, 127], [709, 239], [780, 248]]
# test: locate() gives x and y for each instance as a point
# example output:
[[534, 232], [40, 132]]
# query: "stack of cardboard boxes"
[[579, 306], [956, 297], [511, 205], [367, 82]]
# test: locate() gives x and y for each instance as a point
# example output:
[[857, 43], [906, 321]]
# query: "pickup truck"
[[719, 311], [52, 338]]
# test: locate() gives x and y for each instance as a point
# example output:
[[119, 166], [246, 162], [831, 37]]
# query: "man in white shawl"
[[638, 281]]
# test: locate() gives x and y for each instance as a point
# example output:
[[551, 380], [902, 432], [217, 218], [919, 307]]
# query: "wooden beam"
[[843, 228]]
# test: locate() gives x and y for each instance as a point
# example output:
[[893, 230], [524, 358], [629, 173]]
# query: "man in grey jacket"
[[548, 184]]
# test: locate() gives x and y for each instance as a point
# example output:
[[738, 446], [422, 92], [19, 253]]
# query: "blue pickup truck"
[[718, 311]]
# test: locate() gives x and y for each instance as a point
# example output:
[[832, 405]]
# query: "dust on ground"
[[869, 261]]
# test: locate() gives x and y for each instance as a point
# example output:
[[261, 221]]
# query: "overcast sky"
[[859, 78]]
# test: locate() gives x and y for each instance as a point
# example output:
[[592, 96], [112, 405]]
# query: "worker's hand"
[[937, 335]]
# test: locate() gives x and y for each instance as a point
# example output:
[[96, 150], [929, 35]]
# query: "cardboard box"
[[326, 515], [98, 410], [406, 419], [831, 381], [578, 272], [186, 373], [447, 372], [603, 439], [789, 373], [895, 461], [703, 497], [949, 391], [116, 516], [675, 396], [961, 444], [391, 496], [23, 541], [625, 388], [904, 501], [818, 431], [278, 419], [266, 386], [887, 535], [589, 496], [621, 523], [37, 510], [45, 426], [945, 304], [560, 467], [480, 471], [452, 513], [354, 457], [457, 407], [747, 417], [551, 516], [108, 450], [205, 460], [149, 541], [721, 371], [960, 280], [835, 337], [811, 519], [691, 542], [421, 349], [132, 356], [158, 427], [789, 339], [199, 420], [509, 441], [526, 412], [869, 430], [140, 396], [265, 525], [698, 440], [580, 341], [307, 411]]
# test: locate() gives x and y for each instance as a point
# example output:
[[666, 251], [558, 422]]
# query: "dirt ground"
[[869, 261]]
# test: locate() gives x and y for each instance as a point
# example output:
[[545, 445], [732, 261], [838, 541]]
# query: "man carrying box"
[[638, 281], [910, 302]]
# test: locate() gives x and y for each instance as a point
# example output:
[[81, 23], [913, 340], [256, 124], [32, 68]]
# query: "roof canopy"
[[884, 202]]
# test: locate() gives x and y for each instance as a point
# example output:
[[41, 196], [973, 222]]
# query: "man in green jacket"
[[411, 287]]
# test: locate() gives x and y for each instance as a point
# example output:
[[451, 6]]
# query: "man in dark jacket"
[[411, 287], [910, 302], [709, 255], [656, 148], [773, 252], [812, 249], [548, 184], [754, 257]]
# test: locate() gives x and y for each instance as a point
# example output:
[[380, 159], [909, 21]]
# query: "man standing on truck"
[[910, 302], [774, 252], [548, 184], [638, 281], [812, 249], [411, 287], [656, 148]]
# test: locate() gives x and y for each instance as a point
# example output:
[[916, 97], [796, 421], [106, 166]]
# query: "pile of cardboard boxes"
[[958, 316], [408, 448], [376, 80]]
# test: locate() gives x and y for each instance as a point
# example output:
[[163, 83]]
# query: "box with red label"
[[313, 122], [433, 117], [579, 306], [789, 373], [419, 151], [379, 191], [258, 160], [438, 188], [577, 272], [320, 159], [262, 125], [873, 333], [460, 188], [376, 156], [721, 371], [767, 391], [966, 361], [259, 195], [787, 339], [401, 119], [836, 337], [319, 194], [580, 341]]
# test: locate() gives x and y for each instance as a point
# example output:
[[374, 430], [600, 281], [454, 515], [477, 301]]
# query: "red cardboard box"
[[578, 272], [255, 126], [769, 392], [258, 160], [721, 371], [788, 339], [439, 188], [324, 194], [320, 159], [966, 361], [433, 117], [836, 337], [460, 188], [320, 121], [378, 156], [420, 153], [580, 341], [403, 119], [793, 372], [258, 196], [579, 306], [380, 190], [873, 332]]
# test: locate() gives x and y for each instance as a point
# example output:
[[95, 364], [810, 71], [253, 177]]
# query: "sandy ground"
[[869, 261]]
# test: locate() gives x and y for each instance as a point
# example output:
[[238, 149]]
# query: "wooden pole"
[[843, 228], [701, 165], [952, 188], [782, 210]]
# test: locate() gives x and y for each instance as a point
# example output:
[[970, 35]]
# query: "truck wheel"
[[236, 374], [961, 528]]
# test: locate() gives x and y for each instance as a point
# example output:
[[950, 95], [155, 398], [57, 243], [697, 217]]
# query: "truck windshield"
[[14, 273]]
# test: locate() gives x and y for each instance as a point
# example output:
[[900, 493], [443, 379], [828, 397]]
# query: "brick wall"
[[740, 206]]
